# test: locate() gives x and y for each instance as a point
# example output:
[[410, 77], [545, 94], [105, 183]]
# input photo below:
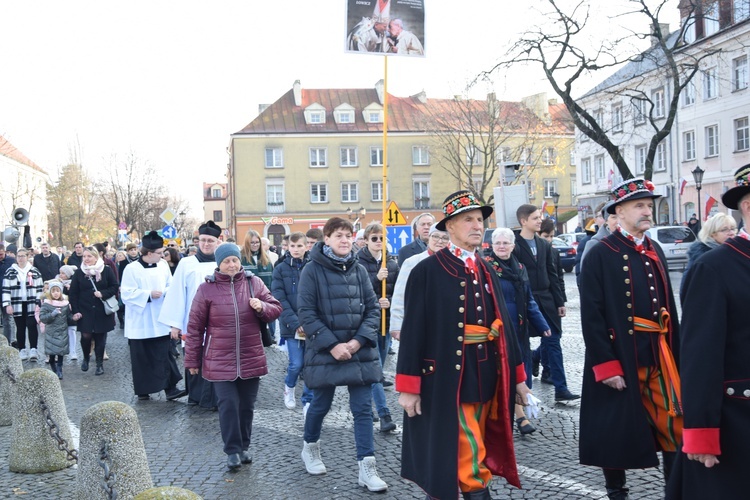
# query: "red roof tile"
[[10, 151]]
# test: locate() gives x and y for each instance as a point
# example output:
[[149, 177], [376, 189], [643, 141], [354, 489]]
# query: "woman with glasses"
[[172, 258], [257, 260], [717, 229], [520, 303], [371, 257]]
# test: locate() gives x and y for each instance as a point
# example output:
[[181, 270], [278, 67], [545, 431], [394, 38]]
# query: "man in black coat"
[[76, 258], [459, 370], [421, 230], [630, 406], [538, 257], [713, 461], [47, 263]]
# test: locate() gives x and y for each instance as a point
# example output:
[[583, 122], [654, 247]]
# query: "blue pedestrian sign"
[[169, 232], [398, 237]]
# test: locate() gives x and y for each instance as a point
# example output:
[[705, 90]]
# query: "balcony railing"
[[277, 207]]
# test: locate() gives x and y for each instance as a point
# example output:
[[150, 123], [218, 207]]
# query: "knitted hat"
[[732, 197], [68, 270], [459, 202], [226, 250], [631, 189], [210, 228], [55, 284]]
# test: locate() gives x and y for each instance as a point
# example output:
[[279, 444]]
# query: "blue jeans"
[[378, 394], [296, 351], [360, 402], [550, 354]]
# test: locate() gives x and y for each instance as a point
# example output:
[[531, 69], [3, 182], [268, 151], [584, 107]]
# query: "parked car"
[[572, 239], [675, 241], [567, 254]]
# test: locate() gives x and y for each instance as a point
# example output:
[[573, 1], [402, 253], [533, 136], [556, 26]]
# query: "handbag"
[[110, 305], [265, 334]]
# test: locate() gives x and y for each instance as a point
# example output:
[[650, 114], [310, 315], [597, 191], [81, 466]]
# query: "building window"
[[550, 187], [741, 10], [372, 116], [274, 158], [525, 157], [530, 190], [349, 156], [472, 155], [586, 171], [376, 156], [660, 159], [639, 111], [710, 88], [657, 99], [741, 134], [572, 157], [420, 155], [599, 167], [349, 192], [688, 145], [688, 94], [712, 140], [640, 159], [346, 117], [317, 117], [376, 191], [548, 156], [216, 193], [319, 193], [711, 19], [617, 118], [421, 194], [739, 73], [218, 216], [274, 197], [503, 154], [689, 23], [318, 157], [573, 187]]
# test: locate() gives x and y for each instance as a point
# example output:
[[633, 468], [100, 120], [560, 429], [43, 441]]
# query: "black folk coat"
[[431, 361], [615, 432], [715, 369], [82, 300]]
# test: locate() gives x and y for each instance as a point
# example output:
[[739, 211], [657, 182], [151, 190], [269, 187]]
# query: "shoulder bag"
[[110, 305], [265, 334]]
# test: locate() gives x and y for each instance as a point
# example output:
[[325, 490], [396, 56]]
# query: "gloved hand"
[[55, 312], [532, 408]]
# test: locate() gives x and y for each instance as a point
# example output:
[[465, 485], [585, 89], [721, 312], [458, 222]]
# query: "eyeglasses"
[[727, 230], [440, 238], [255, 242], [502, 243], [375, 239]]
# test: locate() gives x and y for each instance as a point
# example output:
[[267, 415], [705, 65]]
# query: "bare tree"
[[561, 47], [72, 207]]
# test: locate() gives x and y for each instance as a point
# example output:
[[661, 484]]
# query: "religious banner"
[[385, 27]]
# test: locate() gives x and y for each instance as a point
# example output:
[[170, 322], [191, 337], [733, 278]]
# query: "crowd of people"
[[652, 382]]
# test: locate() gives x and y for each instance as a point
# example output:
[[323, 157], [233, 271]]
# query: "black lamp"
[[698, 178]]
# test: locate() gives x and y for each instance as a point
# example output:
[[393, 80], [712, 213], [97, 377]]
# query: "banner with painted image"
[[385, 27]]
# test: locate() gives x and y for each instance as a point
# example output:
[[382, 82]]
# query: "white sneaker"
[[33, 355], [304, 411], [289, 399], [311, 457], [24, 354], [73, 356], [368, 475]]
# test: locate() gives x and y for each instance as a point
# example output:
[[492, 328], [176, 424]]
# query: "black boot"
[[59, 371], [614, 480], [53, 366], [99, 368], [85, 364], [386, 424], [477, 495]]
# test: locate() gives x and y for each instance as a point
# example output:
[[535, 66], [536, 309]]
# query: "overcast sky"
[[172, 80]]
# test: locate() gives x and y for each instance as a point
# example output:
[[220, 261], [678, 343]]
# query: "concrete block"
[[167, 493], [117, 424], [9, 360], [32, 449]]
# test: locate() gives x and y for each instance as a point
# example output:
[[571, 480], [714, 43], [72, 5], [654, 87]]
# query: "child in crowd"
[[66, 273], [55, 313]]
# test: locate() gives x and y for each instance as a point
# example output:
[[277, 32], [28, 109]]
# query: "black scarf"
[[510, 270], [202, 257]]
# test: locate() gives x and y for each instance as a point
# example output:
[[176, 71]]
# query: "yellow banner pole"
[[384, 253]]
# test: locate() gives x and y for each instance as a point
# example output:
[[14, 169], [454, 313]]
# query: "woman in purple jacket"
[[223, 338]]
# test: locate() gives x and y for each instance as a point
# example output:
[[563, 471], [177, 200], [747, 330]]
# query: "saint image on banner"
[[385, 27]]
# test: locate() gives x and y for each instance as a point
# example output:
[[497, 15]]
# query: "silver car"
[[674, 240]]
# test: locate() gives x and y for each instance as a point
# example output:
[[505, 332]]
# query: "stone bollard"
[[167, 493], [9, 362], [115, 424], [32, 449], [4, 341]]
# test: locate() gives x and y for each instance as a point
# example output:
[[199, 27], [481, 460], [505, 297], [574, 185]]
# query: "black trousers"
[[236, 400], [26, 322]]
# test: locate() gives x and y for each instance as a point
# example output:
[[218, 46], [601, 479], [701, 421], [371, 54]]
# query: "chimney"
[[539, 105], [297, 93], [421, 97], [379, 89], [262, 108], [663, 29]]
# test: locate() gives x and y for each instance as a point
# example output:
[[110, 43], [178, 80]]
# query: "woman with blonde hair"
[[256, 260], [714, 232]]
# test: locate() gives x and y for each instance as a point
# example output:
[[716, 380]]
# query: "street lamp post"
[[698, 178], [556, 200]]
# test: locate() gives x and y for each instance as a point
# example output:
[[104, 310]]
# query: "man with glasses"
[[190, 273], [421, 229]]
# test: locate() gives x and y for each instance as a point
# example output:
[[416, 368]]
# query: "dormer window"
[[346, 117], [344, 113], [315, 114], [317, 117], [373, 113]]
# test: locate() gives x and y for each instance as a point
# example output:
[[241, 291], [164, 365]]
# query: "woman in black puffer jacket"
[[339, 313], [371, 257]]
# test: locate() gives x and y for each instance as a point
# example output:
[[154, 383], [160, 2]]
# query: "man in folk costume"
[[143, 288], [190, 273], [630, 406], [459, 368], [714, 351]]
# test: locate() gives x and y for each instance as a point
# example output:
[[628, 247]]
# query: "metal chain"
[[54, 432], [105, 462], [10, 375]]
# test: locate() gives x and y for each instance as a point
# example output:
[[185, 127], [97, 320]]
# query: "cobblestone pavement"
[[184, 447]]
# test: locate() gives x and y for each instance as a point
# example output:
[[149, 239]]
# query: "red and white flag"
[[610, 179], [544, 207], [683, 183], [710, 202]]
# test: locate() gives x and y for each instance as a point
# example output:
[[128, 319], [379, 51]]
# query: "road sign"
[[168, 216], [398, 237], [393, 215], [122, 225], [169, 232]]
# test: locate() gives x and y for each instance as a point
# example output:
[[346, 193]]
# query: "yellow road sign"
[[393, 215]]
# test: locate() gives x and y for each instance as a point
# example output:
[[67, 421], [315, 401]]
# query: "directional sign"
[[168, 216], [398, 237], [169, 232], [393, 216]]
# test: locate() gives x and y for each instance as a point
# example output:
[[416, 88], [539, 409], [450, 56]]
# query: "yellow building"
[[318, 153]]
